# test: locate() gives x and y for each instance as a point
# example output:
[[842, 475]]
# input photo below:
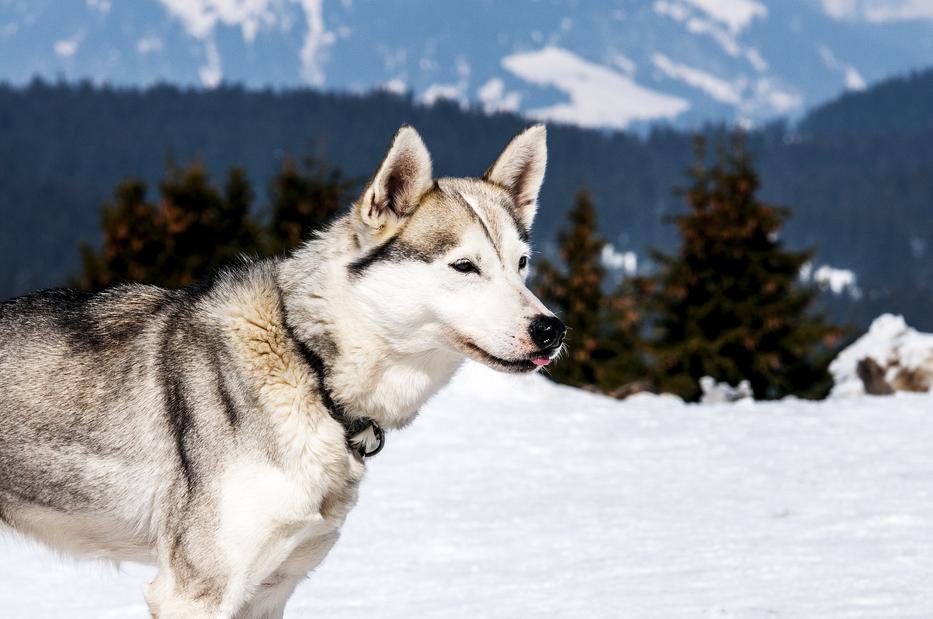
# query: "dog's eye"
[[464, 266], [522, 262]]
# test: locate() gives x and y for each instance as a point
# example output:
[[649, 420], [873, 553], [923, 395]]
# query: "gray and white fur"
[[190, 428]]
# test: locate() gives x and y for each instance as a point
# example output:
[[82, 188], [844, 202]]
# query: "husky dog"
[[221, 431]]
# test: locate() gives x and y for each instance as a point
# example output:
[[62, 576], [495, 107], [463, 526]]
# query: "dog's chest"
[[260, 501]]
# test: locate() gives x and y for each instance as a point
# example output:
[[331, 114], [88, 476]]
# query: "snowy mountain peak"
[[736, 14], [599, 96], [602, 63]]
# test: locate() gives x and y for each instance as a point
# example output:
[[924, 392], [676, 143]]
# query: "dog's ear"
[[402, 178], [520, 170]]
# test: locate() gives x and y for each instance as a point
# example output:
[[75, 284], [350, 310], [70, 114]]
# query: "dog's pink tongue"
[[539, 361]]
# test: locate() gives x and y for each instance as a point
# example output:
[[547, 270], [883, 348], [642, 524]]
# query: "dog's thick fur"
[[189, 429]]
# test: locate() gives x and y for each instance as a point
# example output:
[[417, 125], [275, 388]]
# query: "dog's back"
[[79, 376]]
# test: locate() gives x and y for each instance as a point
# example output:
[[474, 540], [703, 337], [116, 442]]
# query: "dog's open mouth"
[[528, 364]]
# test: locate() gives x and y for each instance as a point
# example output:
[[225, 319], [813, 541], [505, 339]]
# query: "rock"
[[890, 357]]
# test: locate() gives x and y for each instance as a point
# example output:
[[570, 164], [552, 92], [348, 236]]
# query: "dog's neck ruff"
[[364, 436]]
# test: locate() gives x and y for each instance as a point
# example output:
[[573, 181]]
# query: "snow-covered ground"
[[514, 497]]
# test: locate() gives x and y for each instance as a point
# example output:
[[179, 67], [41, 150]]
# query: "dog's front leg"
[[249, 538], [171, 596], [270, 598], [196, 584], [202, 581], [194, 579]]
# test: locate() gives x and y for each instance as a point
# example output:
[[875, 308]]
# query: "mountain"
[[598, 63], [900, 106]]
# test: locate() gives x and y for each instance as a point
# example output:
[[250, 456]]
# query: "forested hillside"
[[860, 182], [899, 106]]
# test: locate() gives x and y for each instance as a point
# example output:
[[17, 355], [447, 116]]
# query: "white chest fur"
[[272, 520]]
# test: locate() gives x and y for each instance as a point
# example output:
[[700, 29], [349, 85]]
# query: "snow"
[[736, 14], [102, 6], [599, 96], [317, 38], [892, 344], [721, 20], [674, 10], [149, 44], [879, 11], [454, 92], [716, 393], [436, 92], [623, 62], [626, 262], [494, 98], [717, 88], [511, 496], [724, 38], [66, 48], [201, 19], [903, 10], [840, 9], [836, 280], [754, 58], [769, 93], [396, 86], [211, 73], [852, 78]]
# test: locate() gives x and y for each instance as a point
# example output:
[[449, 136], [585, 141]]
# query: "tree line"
[[859, 172], [196, 227], [727, 304]]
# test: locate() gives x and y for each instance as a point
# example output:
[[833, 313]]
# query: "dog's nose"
[[547, 331]]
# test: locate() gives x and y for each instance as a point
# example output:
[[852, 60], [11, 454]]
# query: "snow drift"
[[899, 356]]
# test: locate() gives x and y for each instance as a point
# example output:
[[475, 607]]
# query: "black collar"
[[364, 436]]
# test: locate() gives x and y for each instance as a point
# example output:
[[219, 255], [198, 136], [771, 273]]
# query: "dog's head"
[[443, 264]]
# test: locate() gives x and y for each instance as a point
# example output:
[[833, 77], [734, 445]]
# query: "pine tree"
[[198, 228], [205, 229], [729, 304], [239, 227], [133, 240], [302, 200], [192, 232], [602, 330]]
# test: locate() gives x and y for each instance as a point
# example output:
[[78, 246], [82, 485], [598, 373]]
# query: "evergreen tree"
[[205, 229], [198, 228], [133, 240], [304, 200], [729, 303], [602, 331], [243, 232]]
